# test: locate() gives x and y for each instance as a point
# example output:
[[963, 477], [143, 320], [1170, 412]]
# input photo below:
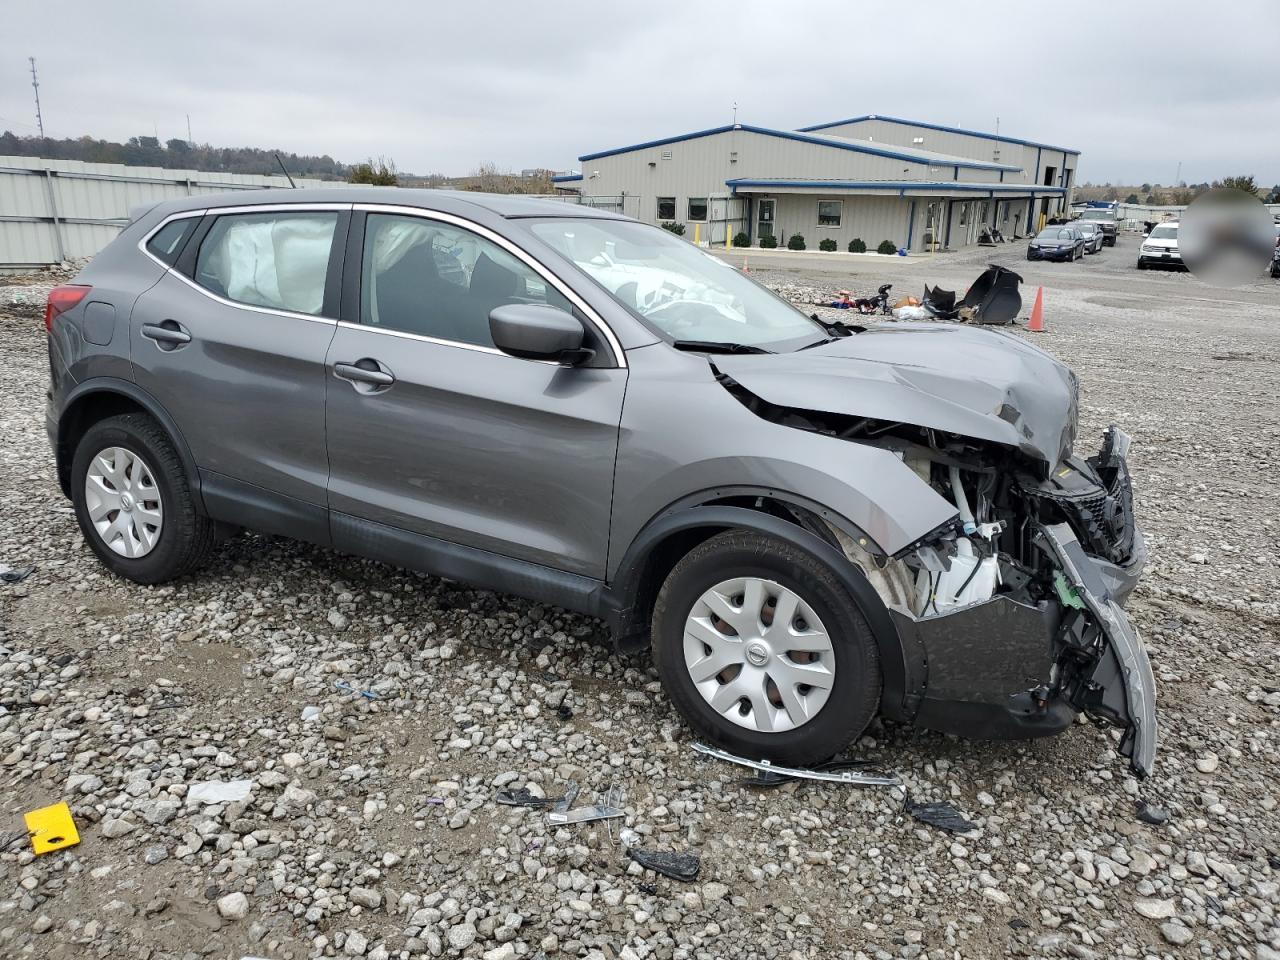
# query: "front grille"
[[1100, 514]]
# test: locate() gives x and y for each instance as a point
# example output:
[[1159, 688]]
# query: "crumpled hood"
[[980, 383]]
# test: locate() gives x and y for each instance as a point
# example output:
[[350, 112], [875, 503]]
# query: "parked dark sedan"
[[1062, 242]]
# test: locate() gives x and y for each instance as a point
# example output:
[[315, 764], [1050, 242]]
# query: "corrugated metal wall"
[[52, 210]]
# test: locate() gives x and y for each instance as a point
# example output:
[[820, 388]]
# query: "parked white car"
[[1160, 246]]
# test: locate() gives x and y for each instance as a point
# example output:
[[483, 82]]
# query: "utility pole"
[[190, 142], [1177, 177], [35, 85]]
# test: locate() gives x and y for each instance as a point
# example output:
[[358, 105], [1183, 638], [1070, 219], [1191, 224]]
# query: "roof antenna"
[[286, 171], [735, 113]]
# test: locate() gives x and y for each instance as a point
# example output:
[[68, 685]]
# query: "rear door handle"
[[366, 374], [168, 335]]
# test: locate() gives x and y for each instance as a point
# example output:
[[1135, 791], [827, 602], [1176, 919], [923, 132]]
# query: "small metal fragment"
[[584, 814]]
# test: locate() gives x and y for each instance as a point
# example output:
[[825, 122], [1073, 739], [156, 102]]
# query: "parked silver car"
[[1093, 235], [808, 523]]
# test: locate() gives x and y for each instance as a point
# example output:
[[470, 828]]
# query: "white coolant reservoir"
[[969, 580]]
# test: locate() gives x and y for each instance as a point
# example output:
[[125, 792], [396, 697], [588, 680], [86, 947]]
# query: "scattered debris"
[[611, 808], [524, 798], [15, 574], [838, 771], [219, 791], [677, 866], [51, 828], [1152, 814], [940, 814], [348, 688]]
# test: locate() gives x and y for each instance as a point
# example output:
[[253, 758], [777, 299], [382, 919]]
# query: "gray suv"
[[808, 523]]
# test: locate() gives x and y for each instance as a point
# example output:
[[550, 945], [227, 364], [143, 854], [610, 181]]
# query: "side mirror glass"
[[536, 331]]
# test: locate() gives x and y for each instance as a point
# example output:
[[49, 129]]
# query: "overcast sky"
[[1137, 87]]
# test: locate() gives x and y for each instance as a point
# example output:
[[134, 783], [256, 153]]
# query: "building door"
[[764, 221]]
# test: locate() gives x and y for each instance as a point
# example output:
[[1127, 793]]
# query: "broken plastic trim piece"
[[677, 866], [857, 778], [1139, 740], [942, 815], [584, 815]]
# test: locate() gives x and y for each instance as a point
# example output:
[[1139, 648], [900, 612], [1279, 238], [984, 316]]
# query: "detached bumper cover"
[[1123, 675]]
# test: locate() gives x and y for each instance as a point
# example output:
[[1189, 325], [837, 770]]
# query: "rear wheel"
[[133, 502], [763, 651]]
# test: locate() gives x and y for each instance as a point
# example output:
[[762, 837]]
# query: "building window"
[[697, 209], [964, 214], [666, 208], [829, 212]]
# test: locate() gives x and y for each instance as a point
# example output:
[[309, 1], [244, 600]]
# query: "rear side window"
[[277, 260], [166, 243]]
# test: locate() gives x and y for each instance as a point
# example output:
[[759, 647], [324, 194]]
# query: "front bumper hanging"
[[1123, 685]]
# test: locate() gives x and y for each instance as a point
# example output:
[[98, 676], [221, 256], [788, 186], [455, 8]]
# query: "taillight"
[[61, 299]]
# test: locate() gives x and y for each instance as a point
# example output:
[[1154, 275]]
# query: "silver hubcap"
[[759, 655], [123, 502]]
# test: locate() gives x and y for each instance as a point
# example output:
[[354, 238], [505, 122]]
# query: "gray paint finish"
[[510, 455]]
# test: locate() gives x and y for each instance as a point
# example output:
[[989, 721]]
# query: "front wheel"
[[763, 651]]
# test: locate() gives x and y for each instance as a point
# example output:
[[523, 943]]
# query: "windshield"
[[1164, 233], [1055, 233], [1087, 227], [686, 293], [1097, 215]]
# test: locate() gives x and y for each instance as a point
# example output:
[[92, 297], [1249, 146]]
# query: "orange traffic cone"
[[1036, 324], [745, 265]]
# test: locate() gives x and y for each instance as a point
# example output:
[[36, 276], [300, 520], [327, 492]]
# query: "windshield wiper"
[[717, 346], [837, 327]]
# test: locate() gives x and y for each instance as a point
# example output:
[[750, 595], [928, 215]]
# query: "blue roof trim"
[[937, 126], [566, 177], [940, 185], [851, 145]]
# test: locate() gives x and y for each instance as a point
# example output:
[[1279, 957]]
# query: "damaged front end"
[[1009, 617], [1017, 621]]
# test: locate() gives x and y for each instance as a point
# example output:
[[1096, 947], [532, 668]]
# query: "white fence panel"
[[52, 210]]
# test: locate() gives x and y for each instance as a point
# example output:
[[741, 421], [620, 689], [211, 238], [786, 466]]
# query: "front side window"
[[666, 208], [675, 287], [436, 280], [276, 260], [829, 212], [697, 209]]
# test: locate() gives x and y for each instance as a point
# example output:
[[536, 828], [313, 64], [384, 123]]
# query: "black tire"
[[1142, 265], [186, 536], [855, 694]]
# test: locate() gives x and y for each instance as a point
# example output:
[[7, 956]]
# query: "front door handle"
[[168, 335], [366, 374]]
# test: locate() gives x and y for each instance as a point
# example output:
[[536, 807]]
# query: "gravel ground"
[[369, 826]]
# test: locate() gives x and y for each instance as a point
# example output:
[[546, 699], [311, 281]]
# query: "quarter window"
[[276, 260], [697, 209], [829, 212], [436, 280], [167, 242], [666, 208]]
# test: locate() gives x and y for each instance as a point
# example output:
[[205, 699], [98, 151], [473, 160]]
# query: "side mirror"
[[536, 331]]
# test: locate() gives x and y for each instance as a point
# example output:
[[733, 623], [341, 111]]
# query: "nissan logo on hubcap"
[[757, 655]]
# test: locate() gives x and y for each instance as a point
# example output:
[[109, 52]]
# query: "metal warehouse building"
[[919, 185]]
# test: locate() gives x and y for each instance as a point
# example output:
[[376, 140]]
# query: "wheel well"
[[631, 628], [79, 417]]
